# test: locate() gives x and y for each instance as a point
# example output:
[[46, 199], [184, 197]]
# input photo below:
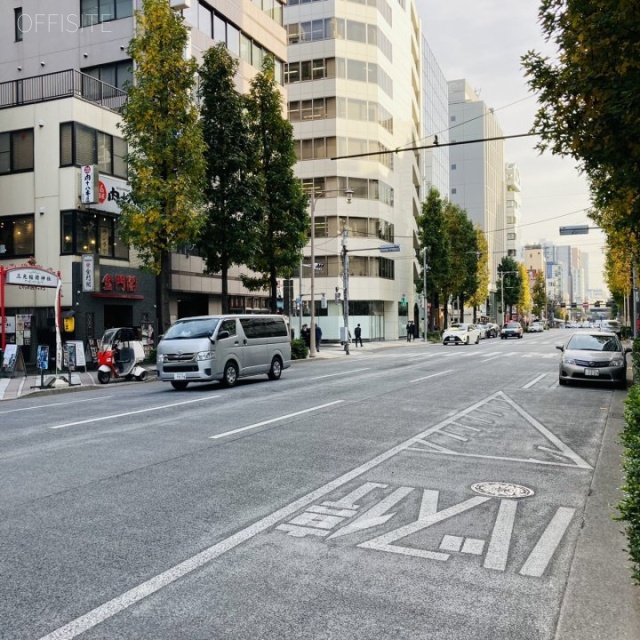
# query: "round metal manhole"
[[501, 490]]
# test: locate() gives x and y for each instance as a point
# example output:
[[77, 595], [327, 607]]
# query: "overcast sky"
[[482, 41]]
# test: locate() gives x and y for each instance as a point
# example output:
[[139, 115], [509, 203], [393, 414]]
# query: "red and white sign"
[[585, 305], [110, 191]]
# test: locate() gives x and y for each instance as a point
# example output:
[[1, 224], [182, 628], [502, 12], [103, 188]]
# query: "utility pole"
[[345, 287], [424, 292], [312, 337]]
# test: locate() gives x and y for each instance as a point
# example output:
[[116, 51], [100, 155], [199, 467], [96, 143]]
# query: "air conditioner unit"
[[180, 4]]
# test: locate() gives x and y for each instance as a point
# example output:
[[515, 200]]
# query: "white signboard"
[[10, 324], [31, 276], [88, 186], [88, 272], [110, 191]]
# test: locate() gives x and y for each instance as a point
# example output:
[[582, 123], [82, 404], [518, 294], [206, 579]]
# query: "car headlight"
[[567, 360], [205, 355], [617, 362], [160, 357]]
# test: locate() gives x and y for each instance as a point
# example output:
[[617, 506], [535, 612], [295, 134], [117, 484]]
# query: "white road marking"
[[278, 419], [342, 373], [492, 358], [498, 551], [542, 553], [53, 404], [105, 611], [534, 381], [349, 501], [132, 413], [433, 375], [375, 516]]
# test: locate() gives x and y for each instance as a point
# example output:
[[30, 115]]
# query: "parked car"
[[611, 325], [488, 330], [536, 327], [593, 356], [511, 330], [461, 333]]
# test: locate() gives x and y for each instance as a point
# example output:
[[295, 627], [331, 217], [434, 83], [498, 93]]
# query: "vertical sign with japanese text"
[[88, 272]]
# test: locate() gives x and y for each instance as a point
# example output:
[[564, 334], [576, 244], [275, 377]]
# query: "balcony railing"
[[63, 84]]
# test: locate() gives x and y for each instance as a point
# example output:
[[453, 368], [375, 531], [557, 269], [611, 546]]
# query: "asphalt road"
[[419, 492]]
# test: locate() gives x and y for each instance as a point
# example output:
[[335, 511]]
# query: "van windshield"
[[191, 328]]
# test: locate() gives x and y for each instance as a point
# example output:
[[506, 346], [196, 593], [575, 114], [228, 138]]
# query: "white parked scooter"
[[120, 356]]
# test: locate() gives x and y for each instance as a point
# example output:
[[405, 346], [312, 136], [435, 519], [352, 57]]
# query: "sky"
[[483, 41]]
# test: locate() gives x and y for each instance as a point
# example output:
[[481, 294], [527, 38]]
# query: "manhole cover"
[[501, 490]]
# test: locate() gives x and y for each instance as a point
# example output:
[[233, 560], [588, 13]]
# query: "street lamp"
[[345, 277], [424, 293], [312, 302]]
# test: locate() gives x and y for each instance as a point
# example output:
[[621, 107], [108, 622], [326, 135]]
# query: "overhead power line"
[[434, 145]]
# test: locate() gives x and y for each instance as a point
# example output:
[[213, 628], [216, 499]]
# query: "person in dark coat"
[[318, 337], [358, 335], [305, 334]]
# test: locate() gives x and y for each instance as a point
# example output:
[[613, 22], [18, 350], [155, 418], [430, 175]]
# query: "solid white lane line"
[[53, 404], [530, 384], [278, 419], [342, 373], [433, 375], [498, 551], [132, 413], [550, 539], [103, 612], [491, 358]]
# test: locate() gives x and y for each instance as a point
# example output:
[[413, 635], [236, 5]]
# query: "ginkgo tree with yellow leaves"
[[166, 149]]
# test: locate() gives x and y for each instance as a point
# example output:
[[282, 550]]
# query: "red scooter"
[[120, 355]]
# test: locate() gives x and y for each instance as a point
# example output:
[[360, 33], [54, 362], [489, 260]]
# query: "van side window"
[[250, 327], [264, 327], [230, 326]]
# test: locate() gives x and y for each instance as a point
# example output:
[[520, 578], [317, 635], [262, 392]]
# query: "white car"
[[536, 327], [461, 333]]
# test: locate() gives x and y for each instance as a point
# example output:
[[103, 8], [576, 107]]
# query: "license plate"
[[179, 376], [591, 372]]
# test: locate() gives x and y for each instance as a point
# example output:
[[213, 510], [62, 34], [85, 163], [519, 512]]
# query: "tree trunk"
[[224, 272], [273, 291], [163, 284]]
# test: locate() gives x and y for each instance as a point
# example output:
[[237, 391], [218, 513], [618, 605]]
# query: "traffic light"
[[574, 305], [597, 304], [563, 305]]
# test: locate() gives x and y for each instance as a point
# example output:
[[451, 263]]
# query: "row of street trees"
[[589, 111], [220, 177], [457, 256]]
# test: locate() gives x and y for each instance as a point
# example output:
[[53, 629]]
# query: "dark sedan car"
[[511, 330], [593, 356]]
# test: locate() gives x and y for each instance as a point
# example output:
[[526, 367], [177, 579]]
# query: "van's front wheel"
[[178, 385], [230, 375], [276, 369]]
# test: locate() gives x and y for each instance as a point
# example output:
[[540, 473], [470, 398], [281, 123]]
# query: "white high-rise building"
[[62, 68], [513, 199], [477, 177], [354, 87]]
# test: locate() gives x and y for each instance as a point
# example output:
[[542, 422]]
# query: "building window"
[[17, 236], [81, 145], [16, 151], [92, 232], [17, 22], [117, 74], [454, 191], [94, 12], [453, 167]]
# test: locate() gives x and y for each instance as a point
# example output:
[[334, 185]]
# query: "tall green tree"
[[463, 275], [508, 284], [588, 98], [166, 162], [284, 222], [232, 186], [539, 294], [482, 290], [433, 237]]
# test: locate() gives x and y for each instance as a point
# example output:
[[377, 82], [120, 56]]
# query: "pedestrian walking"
[[318, 337], [358, 335], [409, 331], [305, 334]]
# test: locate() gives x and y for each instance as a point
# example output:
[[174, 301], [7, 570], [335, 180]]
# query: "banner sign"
[[88, 272], [31, 277]]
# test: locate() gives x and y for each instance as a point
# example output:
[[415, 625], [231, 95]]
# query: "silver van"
[[225, 348]]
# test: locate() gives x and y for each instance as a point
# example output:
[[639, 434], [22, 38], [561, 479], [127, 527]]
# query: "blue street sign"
[[389, 248]]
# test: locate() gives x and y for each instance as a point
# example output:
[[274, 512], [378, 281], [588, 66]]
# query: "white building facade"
[[346, 97], [477, 176], [62, 69]]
